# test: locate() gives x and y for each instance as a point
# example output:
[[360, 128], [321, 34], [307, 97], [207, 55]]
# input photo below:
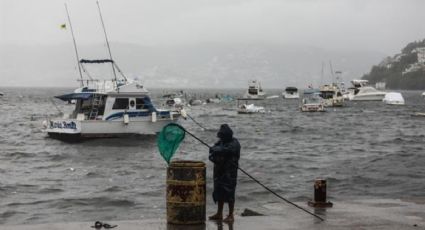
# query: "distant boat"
[[363, 92], [312, 102], [369, 93], [194, 102], [423, 94], [245, 107], [393, 98], [1, 93], [291, 93], [255, 91], [332, 96], [250, 108]]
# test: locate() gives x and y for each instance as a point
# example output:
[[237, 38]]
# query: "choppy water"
[[365, 150]]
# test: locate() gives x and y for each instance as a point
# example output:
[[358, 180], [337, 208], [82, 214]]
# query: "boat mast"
[[75, 47], [332, 72], [107, 42]]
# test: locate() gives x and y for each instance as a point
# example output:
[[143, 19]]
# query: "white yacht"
[[332, 96], [362, 92], [368, 93], [291, 93], [125, 110], [255, 91]]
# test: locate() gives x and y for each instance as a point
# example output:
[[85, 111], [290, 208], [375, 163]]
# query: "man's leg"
[[219, 214], [230, 217]]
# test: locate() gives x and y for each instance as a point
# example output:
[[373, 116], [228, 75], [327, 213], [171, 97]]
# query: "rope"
[[196, 122]]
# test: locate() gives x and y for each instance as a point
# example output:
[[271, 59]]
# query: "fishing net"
[[169, 140]]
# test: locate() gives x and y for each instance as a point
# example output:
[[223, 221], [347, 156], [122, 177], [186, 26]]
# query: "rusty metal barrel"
[[186, 189]]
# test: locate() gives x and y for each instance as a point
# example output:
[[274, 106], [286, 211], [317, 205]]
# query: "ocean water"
[[364, 150]]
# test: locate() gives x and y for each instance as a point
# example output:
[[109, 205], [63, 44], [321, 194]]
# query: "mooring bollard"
[[320, 195], [186, 189]]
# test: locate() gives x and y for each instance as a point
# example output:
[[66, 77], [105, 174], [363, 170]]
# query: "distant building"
[[420, 51]]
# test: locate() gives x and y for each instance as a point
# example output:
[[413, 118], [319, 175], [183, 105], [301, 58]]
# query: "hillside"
[[405, 70]]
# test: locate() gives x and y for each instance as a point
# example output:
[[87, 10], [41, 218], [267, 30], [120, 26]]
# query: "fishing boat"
[[1, 94], [291, 93], [108, 108], [127, 109], [312, 102], [254, 90], [332, 96]]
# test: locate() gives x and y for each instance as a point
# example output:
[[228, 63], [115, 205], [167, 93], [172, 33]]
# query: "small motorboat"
[[291, 93], [312, 102], [251, 108], [393, 98], [255, 91]]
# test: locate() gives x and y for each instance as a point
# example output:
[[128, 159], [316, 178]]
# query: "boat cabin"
[[254, 88], [98, 106], [291, 90]]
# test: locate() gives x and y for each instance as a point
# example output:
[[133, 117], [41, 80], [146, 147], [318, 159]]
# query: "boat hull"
[[369, 97], [75, 130], [312, 108], [290, 96]]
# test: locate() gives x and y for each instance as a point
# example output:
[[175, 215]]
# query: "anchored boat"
[[255, 91], [125, 110], [291, 93], [332, 96], [312, 102], [106, 108]]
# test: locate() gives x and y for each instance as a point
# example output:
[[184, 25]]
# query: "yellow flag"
[[63, 26]]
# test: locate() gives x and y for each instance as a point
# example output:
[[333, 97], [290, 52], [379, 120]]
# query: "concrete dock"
[[359, 214]]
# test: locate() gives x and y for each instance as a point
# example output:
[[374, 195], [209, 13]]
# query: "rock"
[[249, 212]]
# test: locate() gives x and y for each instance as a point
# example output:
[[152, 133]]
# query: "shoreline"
[[356, 214]]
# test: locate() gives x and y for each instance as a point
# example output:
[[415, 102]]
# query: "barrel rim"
[[186, 163]]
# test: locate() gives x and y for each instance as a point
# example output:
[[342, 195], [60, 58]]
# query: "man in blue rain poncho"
[[225, 155]]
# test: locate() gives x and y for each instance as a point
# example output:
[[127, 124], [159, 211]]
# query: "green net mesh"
[[169, 140]]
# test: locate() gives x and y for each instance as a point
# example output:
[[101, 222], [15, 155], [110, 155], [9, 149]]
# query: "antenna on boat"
[[332, 71], [75, 46], [107, 42], [322, 73]]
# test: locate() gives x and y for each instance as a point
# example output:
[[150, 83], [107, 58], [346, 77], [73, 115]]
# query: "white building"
[[421, 55]]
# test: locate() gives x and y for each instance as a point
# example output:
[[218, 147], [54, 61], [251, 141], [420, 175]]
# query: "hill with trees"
[[405, 70]]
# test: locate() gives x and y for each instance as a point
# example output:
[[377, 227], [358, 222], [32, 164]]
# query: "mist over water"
[[365, 150]]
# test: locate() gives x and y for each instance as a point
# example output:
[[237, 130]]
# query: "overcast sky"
[[379, 25]]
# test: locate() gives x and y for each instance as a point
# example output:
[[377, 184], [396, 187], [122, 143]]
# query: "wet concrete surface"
[[360, 214]]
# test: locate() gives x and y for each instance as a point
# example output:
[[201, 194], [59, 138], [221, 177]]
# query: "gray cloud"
[[374, 26]]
